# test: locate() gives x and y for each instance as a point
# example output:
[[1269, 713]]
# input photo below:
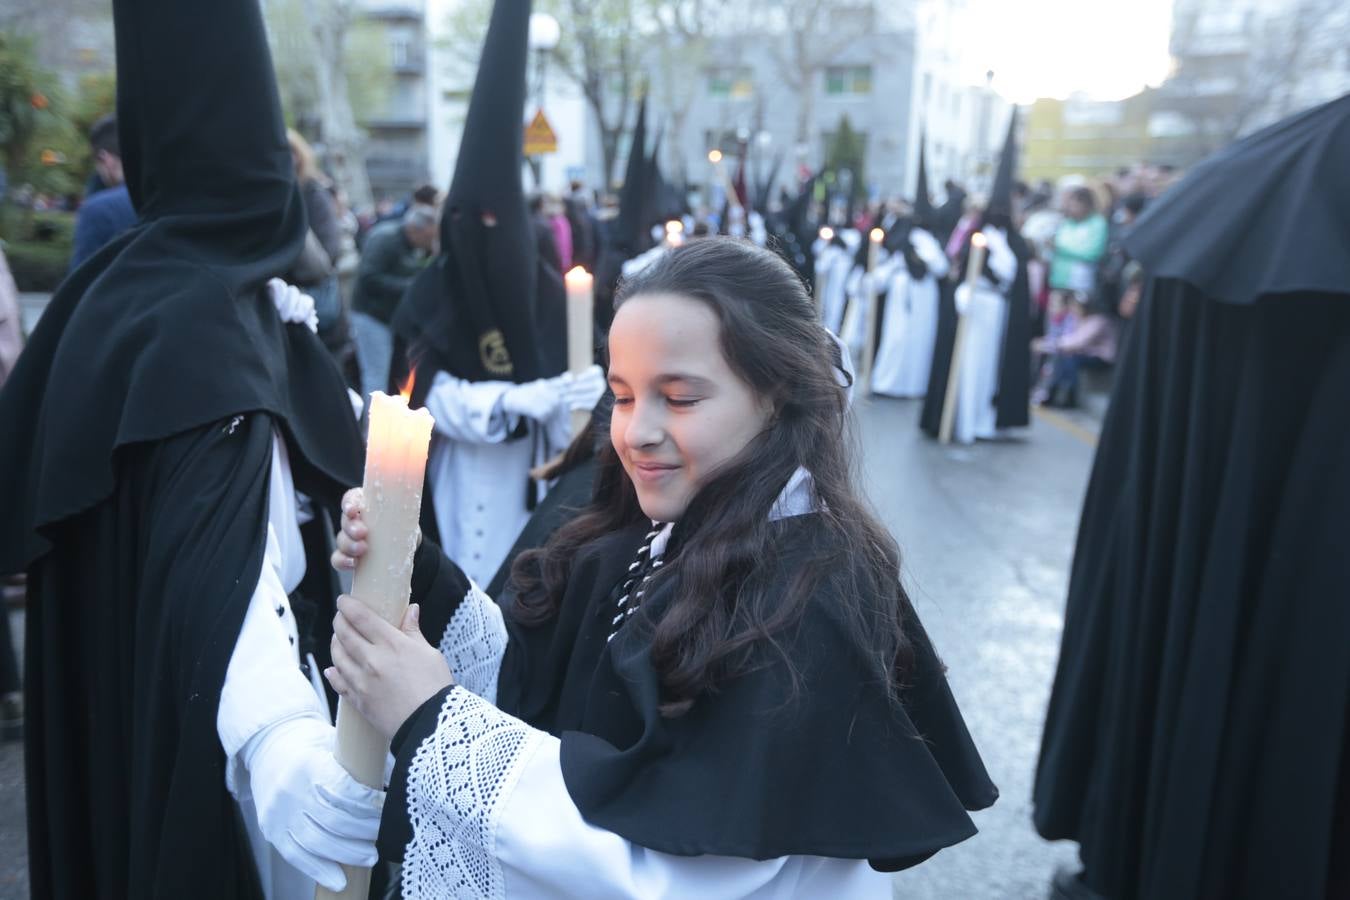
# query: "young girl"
[[710, 682]]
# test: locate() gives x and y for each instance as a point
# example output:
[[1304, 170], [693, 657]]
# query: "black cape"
[[1199, 724], [838, 770], [135, 458], [1197, 742]]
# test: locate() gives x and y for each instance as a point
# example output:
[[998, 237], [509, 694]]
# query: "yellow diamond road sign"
[[539, 136]]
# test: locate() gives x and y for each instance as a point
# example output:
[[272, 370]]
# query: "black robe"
[[838, 770], [1198, 738], [132, 618]]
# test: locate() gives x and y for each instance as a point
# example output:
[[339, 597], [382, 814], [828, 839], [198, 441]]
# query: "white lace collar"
[[797, 498]]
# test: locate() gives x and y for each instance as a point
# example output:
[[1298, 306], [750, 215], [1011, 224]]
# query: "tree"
[[815, 33], [37, 139], [847, 153], [312, 43], [1264, 82]]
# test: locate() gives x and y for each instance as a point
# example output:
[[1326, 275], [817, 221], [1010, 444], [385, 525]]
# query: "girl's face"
[[680, 412]]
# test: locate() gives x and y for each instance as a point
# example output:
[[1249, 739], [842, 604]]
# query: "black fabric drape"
[[1196, 737], [132, 617]]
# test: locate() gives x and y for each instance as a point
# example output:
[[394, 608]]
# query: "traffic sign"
[[540, 137]]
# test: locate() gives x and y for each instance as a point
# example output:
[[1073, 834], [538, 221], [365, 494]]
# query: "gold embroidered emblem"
[[493, 353]]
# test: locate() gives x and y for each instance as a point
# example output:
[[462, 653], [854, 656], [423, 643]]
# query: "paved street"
[[987, 534]]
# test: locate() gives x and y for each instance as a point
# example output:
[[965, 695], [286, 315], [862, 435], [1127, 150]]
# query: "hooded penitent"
[[471, 313], [924, 212], [1197, 742], [134, 463], [1014, 375]]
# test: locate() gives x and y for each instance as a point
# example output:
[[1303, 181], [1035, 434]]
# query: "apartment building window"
[[734, 82], [400, 51], [841, 80]]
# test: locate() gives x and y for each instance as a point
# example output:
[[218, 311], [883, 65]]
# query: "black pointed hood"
[[170, 327], [923, 201], [1267, 215], [632, 235], [1000, 194], [472, 308]]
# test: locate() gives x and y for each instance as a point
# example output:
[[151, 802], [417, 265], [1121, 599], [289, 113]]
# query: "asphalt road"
[[987, 534]]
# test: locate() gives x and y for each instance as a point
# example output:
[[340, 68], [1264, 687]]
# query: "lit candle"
[[674, 233], [874, 239], [396, 462], [978, 248], [581, 331]]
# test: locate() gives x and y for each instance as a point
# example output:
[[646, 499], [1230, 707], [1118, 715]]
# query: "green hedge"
[[38, 265]]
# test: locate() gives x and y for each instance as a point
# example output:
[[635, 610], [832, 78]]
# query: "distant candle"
[[580, 331], [979, 246], [674, 233], [827, 233]]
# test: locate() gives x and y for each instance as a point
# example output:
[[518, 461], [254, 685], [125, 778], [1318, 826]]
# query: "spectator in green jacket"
[[1080, 241], [394, 252]]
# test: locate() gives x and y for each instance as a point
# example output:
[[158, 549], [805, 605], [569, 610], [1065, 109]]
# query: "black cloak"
[[135, 463], [838, 770], [1197, 742]]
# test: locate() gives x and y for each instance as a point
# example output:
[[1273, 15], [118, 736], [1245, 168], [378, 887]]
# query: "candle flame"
[[877, 235], [674, 226], [978, 239], [406, 389], [714, 156], [827, 233], [577, 275]]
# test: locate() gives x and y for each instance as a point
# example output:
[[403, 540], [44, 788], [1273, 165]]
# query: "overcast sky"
[[1107, 49]]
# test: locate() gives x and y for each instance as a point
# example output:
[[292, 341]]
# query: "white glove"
[[292, 304], [537, 400], [584, 389], [309, 808]]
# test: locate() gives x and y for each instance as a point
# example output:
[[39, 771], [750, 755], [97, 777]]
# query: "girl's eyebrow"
[[697, 381]]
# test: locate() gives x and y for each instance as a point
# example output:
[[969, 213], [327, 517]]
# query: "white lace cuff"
[[474, 643], [293, 305], [458, 782]]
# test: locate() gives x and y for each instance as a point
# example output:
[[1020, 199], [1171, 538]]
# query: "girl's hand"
[[387, 672], [351, 540]]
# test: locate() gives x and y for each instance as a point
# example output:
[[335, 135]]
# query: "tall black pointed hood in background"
[[1014, 371], [631, 236], [1000, 201], [170, 327], [471, 312], [923, 201], [1206, 230]]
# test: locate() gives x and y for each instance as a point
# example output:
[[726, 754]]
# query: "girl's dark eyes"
[[679, 402]]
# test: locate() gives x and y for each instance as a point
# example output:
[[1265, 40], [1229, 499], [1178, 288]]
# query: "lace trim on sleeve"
[[458, 783], [474, 643]]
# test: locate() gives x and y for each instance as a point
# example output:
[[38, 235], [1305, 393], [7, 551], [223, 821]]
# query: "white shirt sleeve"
[[469, 411], [930, 251], [492, 818], [474, 643], [263, 681]]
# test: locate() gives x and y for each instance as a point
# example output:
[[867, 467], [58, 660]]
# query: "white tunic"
[[263, 682], [492, 817], [479, 478], [835, 263], [905, 357], [986, 312]]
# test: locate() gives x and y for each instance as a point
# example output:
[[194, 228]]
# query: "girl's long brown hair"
[[725, 609]]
